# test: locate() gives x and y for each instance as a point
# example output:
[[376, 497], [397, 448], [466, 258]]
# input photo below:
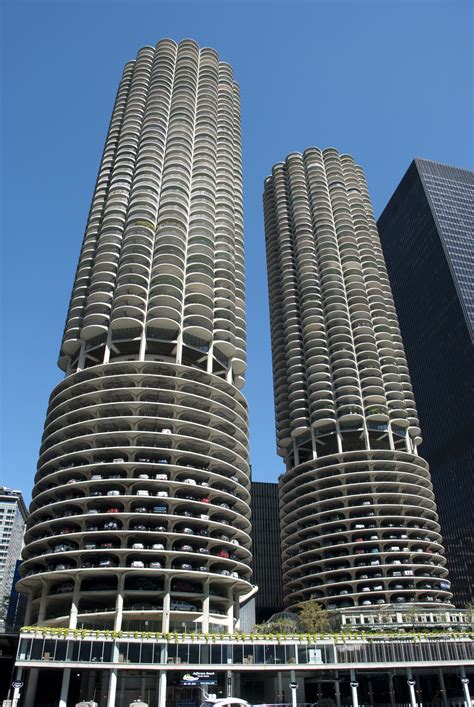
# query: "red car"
[[113, 510]]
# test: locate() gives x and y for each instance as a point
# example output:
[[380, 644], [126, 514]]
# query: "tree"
[[313, 617], [470, 611]]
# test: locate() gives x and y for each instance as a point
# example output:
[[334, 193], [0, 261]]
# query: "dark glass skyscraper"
[[266, 549], [427, 235]]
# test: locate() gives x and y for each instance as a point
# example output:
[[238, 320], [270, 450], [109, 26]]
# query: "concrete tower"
[[358, 515], [140, 516]]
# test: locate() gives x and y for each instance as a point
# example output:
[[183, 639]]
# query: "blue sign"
[[199, 678]]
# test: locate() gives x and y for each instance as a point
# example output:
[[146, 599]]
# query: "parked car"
[[160, 509], [179, 605]]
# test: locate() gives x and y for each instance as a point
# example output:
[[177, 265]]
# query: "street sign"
[[17, 684], [293, 685]]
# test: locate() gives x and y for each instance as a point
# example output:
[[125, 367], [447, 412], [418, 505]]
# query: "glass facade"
[[243, 652], [426, 232], [266, 549]]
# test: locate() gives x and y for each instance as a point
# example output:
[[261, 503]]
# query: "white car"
[[166, 431], [137, 563], [143, 476], [158, 546], [162, 494], [155, 565], [190, 481], [114, 492], [182, 606], [138, 546], [96, 477], [142, 492], [160, 477]]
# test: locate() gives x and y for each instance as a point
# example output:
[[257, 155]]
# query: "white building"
[[13, 515]]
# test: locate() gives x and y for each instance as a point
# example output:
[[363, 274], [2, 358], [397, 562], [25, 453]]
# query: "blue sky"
[[385, 80]]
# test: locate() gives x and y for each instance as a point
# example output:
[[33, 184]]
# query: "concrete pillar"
[[390, 436], [162, 689], [108, 344], [75, 603], [391, 690], [465, 687], [142, 350], [30, 696], [179, 348], [339, 438], [442, 687], [337, 691], [411, 687], [65, 687], [112, 690], [354, 686], [371, 692], [230, 611], [205, 606], [119, 603], [42, 605], [313, 444], [280, 687], [82, 357], [165, 627], [28, 609]]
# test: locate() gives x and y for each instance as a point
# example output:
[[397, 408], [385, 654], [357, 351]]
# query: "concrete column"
[[313, 444], [229, 376], [82, 357], [28, 609], [65, 687], [339, 438], [411, 687], [209, 362], [162, 689], [165, 627], [371, 692], [391, 690], [142, 350], [108, 344], [30, 696], [112, 690], [42, 605], [337, 691], [465, 687], [230, 611], [179, 348], [354, 686], [75, 603], [119, 603], [442, 688], [205, 607], [280, 687], [390, 436]]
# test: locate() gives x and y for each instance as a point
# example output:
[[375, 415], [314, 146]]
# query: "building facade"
[[13, 515], [427, 232], [140, 518], [358, 514], [266, 549]]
